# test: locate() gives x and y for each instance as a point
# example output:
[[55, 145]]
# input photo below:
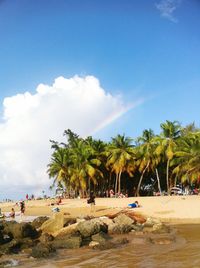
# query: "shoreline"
[[169, 209]]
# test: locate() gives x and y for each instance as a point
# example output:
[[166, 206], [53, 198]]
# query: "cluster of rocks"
[[44, 236]]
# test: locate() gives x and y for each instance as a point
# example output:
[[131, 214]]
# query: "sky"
[[100, 68]]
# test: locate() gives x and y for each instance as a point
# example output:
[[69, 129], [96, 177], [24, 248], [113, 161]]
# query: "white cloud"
[[30, 120], [167, 8]]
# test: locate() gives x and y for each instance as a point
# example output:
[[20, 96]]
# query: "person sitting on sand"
[[12, 213], [111, 193], [59, 201], [134, 205]]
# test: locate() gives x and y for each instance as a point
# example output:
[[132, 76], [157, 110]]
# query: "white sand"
[[174, 209]]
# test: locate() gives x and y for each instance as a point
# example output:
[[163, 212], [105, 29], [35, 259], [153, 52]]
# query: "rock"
[[1, 225], [11, 247], [9, 263], [106, 220], [36, 223], [148, 229], [20, 230], [80, 220], [111, 244], [135, 217], [166, 240], [68, 221], [93, 244], [27, 243], [7, 227], [86, 241], [42, 251], [69, 230], [122, 219], [105, 246], [151, 221], [45, 238], [122, 224], [67, 242], [1, 238], [53, 225], [160, 228], [100, 237], [7, 238], [137, 227], [91, 227]]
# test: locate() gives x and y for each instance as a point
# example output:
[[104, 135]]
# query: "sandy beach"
[[171, 209]]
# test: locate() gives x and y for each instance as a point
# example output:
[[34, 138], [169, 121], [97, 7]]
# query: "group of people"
[[119, 195], [12, 214]]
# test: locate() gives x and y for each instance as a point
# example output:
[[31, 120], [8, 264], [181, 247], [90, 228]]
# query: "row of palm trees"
[[126, 164]]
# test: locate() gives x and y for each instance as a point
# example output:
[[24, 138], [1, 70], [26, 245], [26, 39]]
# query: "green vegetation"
[[124, 164]]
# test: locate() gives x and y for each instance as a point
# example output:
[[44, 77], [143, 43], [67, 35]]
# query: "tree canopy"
[[125, 164]]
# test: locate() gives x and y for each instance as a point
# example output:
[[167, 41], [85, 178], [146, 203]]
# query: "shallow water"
[[183, 253], [19, 218]]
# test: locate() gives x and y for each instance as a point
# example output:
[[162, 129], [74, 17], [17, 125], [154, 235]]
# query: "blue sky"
[[146, 51]]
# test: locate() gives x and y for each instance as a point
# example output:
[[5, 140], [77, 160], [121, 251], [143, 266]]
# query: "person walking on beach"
[[91, 201], [22, 207]]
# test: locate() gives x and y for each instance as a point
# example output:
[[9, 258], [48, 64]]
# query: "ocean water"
[[184, 252]]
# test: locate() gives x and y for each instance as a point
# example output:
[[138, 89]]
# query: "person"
[[134, 205], [1, 214], [12, 213], [56, 209], [91, 200], [111, 193], [59, 200], [22, 207], [26, 197]]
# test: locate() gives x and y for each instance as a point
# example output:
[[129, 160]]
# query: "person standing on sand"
[[91, 201], [22, 207]]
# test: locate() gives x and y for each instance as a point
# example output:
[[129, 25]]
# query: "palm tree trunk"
[[116, 183], [109, 183], [119, 184], [167, 176], [89, 186], [158, 179], [141, 178]]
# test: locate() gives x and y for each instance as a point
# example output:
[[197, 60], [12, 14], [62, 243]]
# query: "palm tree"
[[85, 166], [167, 143], [188, 158], [147, 160], [59, 166], [120, 158]]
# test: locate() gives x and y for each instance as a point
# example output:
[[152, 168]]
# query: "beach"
[[170, 209], [181, 233]]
